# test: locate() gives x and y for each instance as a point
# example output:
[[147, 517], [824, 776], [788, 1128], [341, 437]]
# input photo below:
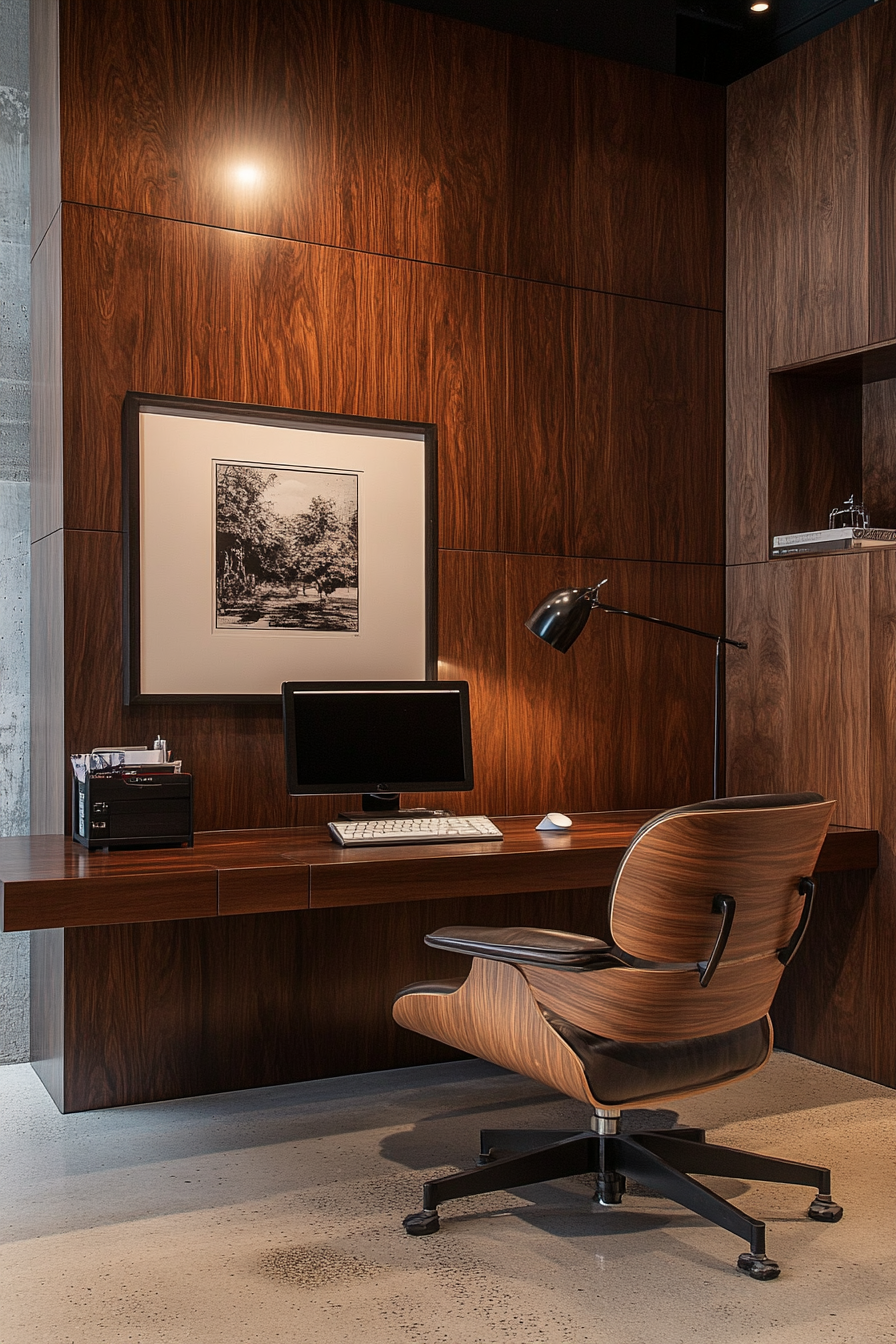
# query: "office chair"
[[709, 904]]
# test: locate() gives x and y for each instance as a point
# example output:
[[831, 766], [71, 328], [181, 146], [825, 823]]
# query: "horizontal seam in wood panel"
[[392, 256]]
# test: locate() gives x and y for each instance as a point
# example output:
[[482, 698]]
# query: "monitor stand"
[[387, 805]]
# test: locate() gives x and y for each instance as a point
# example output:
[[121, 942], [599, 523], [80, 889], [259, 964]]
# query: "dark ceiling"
[[714, 40]]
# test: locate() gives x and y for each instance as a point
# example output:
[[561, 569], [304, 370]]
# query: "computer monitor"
[[377, 738]]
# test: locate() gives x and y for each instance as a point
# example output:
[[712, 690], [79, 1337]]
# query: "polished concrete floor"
[[276, 1215]]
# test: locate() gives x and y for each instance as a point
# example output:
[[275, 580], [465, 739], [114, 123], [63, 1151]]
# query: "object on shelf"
[[849, 514]]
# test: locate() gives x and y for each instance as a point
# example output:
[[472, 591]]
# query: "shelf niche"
[[832, 434]]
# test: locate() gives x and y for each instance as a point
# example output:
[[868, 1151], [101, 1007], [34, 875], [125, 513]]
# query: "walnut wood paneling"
[[46, 384], [187, 1007], [536, 453], [109, 900], [657, 174], [379, 128], [640, 697], [46, 188], [798, 175], [881, 27], [814, 450], [48, 1010], [834, 1004], [540, 230], [879, 451], [798, 698], [649, 431]]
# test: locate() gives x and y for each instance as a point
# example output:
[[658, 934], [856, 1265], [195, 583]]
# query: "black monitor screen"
[[367, 737]]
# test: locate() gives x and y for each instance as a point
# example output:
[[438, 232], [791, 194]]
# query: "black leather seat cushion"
[[620, 1072]]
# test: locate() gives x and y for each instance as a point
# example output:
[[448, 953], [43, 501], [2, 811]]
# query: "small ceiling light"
[[760, 7], [247, 174]]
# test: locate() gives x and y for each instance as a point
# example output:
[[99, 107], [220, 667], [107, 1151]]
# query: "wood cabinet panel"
[[649, 431], [624, 719], [49, 767], [46, 383], [798, 698], [798, 181], [881, 25]]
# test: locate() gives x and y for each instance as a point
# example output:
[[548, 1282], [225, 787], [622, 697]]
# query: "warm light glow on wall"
[[247, 174]]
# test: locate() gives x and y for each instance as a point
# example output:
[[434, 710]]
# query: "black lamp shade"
[[561, 617]]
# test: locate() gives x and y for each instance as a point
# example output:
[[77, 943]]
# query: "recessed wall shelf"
[[831, 434]]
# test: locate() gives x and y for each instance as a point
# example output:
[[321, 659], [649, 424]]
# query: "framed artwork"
[[265, 545]]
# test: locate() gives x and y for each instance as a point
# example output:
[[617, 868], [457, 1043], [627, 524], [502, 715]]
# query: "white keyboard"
[[413, 830]]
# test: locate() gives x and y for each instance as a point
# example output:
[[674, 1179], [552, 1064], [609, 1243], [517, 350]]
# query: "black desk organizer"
[[133, 807]]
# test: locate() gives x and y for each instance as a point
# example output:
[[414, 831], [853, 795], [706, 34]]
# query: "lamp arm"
[[597, 605]]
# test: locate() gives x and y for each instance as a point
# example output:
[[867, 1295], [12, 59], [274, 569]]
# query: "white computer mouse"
[[554, 821]]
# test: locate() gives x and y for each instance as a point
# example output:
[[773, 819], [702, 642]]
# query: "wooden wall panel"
[[640, 698], [649, 431], [881, 24], [878, 455], [188, 1007], [798, 168], [379, 128], [798, 698], [655, 175]]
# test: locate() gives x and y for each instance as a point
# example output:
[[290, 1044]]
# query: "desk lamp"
[[561, 617]]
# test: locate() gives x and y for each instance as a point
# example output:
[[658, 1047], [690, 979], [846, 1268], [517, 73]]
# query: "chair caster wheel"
[[824, 1210], [758, 1266], [421, 1224], [483, 1159]]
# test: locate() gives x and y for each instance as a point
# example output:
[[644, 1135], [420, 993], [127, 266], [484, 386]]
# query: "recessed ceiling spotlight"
[[247, 174], [760, 7]]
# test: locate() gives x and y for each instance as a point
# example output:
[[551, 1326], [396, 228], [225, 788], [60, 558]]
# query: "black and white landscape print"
[[286, 548]]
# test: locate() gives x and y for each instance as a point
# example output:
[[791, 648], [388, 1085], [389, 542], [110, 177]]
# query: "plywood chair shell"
[[630, 1004], [494, 1015], [661, 899]]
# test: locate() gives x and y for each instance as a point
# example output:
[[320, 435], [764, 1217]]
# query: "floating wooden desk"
[[268, 956]]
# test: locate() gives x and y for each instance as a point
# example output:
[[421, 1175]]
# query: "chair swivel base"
[[663, 1159]]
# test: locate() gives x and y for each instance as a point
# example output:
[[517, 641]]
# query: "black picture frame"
[[141, 551]]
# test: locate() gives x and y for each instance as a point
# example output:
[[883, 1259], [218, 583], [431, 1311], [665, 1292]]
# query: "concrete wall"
[[15, 396]]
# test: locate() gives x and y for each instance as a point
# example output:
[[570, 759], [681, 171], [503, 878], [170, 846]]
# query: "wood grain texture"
[[798, 168], [798, 699], [878, 456], [110, 900], [48, 879], [881, 27], [661, 907], [494, 1015], [379, 128], [46, 384], [188, 1007], [536, 454], [649, 431], [44, 129], [640, 1005], [814, 450], [657, 174], [47, 1010], [48, 763], [641, 697]]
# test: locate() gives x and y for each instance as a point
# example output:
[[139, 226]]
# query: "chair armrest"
[[531, 947]]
